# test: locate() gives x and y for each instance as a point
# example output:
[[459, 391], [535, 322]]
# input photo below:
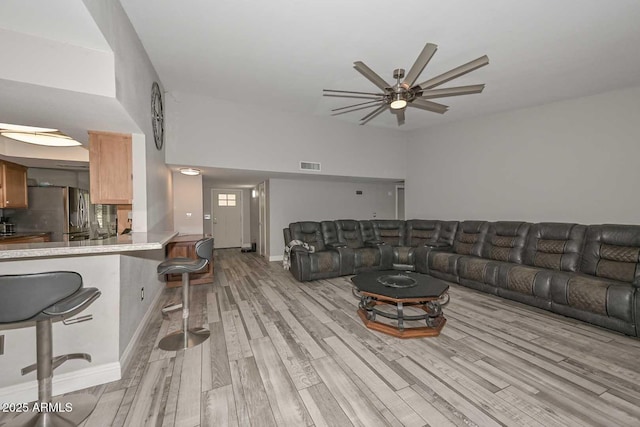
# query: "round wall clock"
[[157, 115]]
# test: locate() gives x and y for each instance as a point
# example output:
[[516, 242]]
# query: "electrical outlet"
[[142, 294]]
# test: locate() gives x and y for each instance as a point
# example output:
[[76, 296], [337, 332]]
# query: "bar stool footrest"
[[57, 361], [181, 340], [170, 308]]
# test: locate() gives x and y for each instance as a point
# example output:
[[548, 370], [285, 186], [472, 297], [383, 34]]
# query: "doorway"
[[226, 212], [262, 203]]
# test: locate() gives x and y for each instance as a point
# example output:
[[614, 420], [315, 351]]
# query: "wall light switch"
[[207, 216], [189, 214]]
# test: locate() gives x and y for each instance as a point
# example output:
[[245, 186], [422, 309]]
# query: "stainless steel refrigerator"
[[62, 211]]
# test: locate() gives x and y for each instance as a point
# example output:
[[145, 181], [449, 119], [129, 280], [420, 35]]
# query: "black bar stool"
[[186, 338], [44, 298]]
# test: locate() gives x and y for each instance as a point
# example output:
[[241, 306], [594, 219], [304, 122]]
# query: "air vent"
[[310, 166]]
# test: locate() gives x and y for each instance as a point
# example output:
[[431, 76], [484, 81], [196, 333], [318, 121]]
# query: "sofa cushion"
[[348, 231], [612, 252], [599, 295], [309, 232], [470, 237], [555, 246], [390, 231], [505, 241], [419, 231]]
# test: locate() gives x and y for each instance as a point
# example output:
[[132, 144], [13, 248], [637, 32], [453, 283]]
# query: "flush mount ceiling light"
[[38, 136], [190, 171], [406, 93]]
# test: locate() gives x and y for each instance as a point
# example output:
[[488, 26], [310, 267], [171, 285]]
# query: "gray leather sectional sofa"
[[590, 273]]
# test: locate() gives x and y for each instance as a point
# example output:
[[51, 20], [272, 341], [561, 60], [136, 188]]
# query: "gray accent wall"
[[313, 200], [570, 161]]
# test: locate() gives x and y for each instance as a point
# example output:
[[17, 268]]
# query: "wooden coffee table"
[[379, 289]]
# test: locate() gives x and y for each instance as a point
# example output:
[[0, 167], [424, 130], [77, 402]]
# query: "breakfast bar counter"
[[123, 268], [122, 243]]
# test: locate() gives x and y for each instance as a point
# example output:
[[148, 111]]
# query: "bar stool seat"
[[186, 337], [44, 298]]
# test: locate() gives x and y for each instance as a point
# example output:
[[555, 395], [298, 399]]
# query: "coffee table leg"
[[434, 313], [400, 316], [365, 304]]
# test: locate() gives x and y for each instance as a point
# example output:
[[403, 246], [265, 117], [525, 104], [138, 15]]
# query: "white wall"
[[137, 271], [45, 62], [571, 161], [187, 204], [311, 200], [207, 132], [134, 77]]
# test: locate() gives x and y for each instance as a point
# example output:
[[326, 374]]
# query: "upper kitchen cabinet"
[[13, 186], [110, 168]]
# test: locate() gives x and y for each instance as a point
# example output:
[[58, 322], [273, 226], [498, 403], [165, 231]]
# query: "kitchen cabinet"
[[110, 168], [185, 247], [13, 186]]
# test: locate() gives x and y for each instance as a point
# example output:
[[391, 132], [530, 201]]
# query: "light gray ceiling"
[[280, 54]]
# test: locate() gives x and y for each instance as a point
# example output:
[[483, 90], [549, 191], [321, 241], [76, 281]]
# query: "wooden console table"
[[184, 247]]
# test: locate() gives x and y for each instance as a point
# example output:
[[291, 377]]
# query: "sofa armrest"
[[299, 248]]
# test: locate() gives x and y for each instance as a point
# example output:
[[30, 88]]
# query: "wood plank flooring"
[[284, 353]]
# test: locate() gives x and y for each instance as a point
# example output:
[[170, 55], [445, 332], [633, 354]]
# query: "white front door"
[[226, 207]]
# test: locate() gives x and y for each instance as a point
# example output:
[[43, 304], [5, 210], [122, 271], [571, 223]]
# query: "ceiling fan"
[[405, 93]]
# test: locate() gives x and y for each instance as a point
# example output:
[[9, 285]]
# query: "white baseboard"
[[276, 258], [125, 359], [62, 383]]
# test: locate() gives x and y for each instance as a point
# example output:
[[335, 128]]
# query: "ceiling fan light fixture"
[[399, 103], [190, 171]]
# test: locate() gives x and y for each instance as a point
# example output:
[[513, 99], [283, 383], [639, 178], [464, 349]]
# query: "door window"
[[226, 199]]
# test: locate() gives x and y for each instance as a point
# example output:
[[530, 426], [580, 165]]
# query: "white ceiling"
[[280, 54]]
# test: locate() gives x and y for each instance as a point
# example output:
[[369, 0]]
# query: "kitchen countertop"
[[124, 243]]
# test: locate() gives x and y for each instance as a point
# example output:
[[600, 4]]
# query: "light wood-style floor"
[[284, 353]]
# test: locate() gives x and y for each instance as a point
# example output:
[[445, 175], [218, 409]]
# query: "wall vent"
[[310, 166]]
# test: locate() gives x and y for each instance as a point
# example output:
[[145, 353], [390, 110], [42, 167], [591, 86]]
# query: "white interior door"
[[226, 208]]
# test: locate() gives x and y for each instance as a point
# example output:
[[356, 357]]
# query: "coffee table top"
[[399, 284]]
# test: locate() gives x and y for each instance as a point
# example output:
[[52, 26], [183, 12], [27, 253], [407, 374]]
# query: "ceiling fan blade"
[[400, 117], [417, 67], [354, 96], [370, 75], [428, 105], [354, 92], [455, 73], [355, 109], [357, 105], [451, 91], [374, 114]]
